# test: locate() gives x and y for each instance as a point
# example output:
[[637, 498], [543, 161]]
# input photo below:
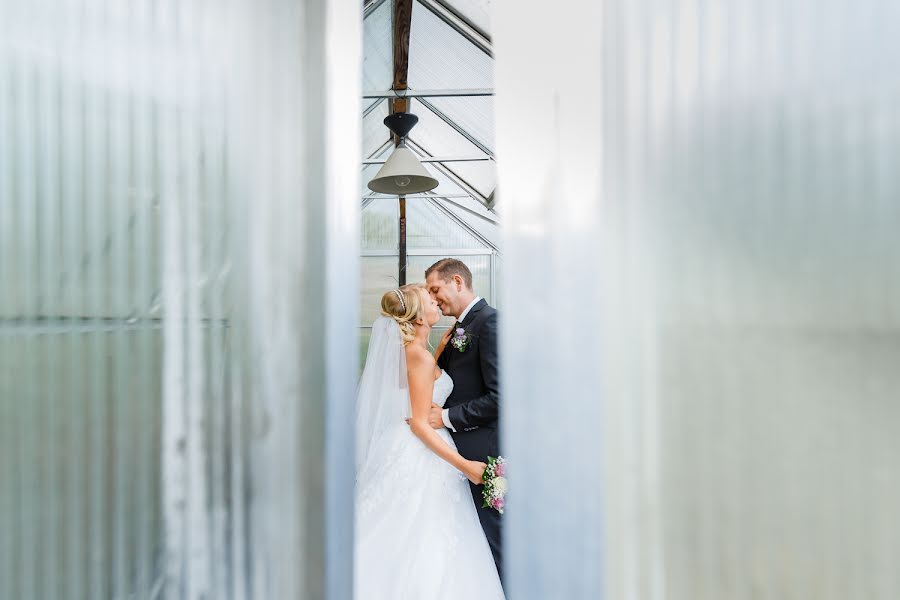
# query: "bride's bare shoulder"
[[417, 356]]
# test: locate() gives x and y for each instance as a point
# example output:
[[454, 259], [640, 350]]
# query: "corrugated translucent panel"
[[477, 12], [440, 57], [375, 134], [448, 184], [429, 226], [445, 184], [380, 225], [716, 192], [170, 208], [474, 115], [477, 219], [499, 288], [378, 275], [437, 138], [378, 53], [369, 171], [380, 229]]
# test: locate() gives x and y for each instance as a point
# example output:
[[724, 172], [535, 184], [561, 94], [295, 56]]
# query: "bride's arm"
[[421, 384], [443, 343]]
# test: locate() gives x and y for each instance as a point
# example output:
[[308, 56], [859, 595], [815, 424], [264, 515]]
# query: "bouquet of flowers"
[[495, 484]]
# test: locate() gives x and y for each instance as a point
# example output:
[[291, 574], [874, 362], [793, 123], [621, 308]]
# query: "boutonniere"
[[460, 339]]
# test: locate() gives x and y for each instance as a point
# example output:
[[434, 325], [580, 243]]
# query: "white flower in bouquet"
[[495, 484]]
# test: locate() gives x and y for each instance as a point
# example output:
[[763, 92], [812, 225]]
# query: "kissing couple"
[[425, 425]]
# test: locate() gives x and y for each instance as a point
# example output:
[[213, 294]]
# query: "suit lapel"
[[446, 356], [474, 311]]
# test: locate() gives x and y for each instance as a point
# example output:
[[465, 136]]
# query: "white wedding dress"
[[417, 532]]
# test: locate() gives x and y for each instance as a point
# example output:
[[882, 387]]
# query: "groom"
[[472, 410]]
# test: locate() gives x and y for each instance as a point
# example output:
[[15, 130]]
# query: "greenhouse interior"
[[680, 219], [449, 53]]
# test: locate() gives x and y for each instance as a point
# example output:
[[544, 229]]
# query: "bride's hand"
[[443, 343], [474, 471]]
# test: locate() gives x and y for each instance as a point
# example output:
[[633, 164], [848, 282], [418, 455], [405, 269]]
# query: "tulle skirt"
[[417, 531]]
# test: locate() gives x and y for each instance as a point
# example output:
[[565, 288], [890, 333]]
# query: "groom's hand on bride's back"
[[435, 418]]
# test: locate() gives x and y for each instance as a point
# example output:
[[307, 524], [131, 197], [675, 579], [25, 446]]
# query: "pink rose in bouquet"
[[495, 484]]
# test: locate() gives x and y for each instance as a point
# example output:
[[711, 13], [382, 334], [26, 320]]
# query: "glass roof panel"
[[468, 209], [445, 184], [369, 171], [380, 225], [440, 57], [476, 216], [374, 131], [480, 175], [378, 54], [428, 227], [378, 274], [477, 12], [475, 115], [437, 138]]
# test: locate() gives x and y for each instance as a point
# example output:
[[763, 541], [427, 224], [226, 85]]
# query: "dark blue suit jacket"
[[474, 405]]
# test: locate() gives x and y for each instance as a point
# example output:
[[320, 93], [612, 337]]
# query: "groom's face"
[[445, 293]]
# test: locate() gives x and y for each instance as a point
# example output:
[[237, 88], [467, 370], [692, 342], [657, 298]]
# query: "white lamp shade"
[[402, 174]]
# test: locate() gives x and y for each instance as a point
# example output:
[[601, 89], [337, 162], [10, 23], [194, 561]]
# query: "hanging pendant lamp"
[[402, 173]]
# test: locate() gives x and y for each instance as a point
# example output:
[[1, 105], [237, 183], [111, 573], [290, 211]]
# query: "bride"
[[417, 532]]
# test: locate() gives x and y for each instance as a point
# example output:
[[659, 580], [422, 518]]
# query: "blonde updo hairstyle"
[[409, 312]]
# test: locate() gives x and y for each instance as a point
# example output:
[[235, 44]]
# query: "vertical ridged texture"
[[704, 223], [177, 183]]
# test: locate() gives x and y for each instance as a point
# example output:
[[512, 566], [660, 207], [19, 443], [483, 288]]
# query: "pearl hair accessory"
[[402, 301]]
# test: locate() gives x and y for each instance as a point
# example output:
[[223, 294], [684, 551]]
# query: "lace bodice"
[[443, 385]]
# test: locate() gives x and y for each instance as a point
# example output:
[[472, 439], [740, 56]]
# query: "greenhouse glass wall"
[[449, 51]]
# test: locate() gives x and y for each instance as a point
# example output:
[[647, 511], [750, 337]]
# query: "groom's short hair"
[[448, 267]]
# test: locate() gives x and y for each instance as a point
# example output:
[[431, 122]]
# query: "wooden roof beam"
[[402, 23]]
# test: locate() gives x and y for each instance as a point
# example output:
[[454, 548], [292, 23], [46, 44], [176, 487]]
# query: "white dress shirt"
[[445, 414]]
